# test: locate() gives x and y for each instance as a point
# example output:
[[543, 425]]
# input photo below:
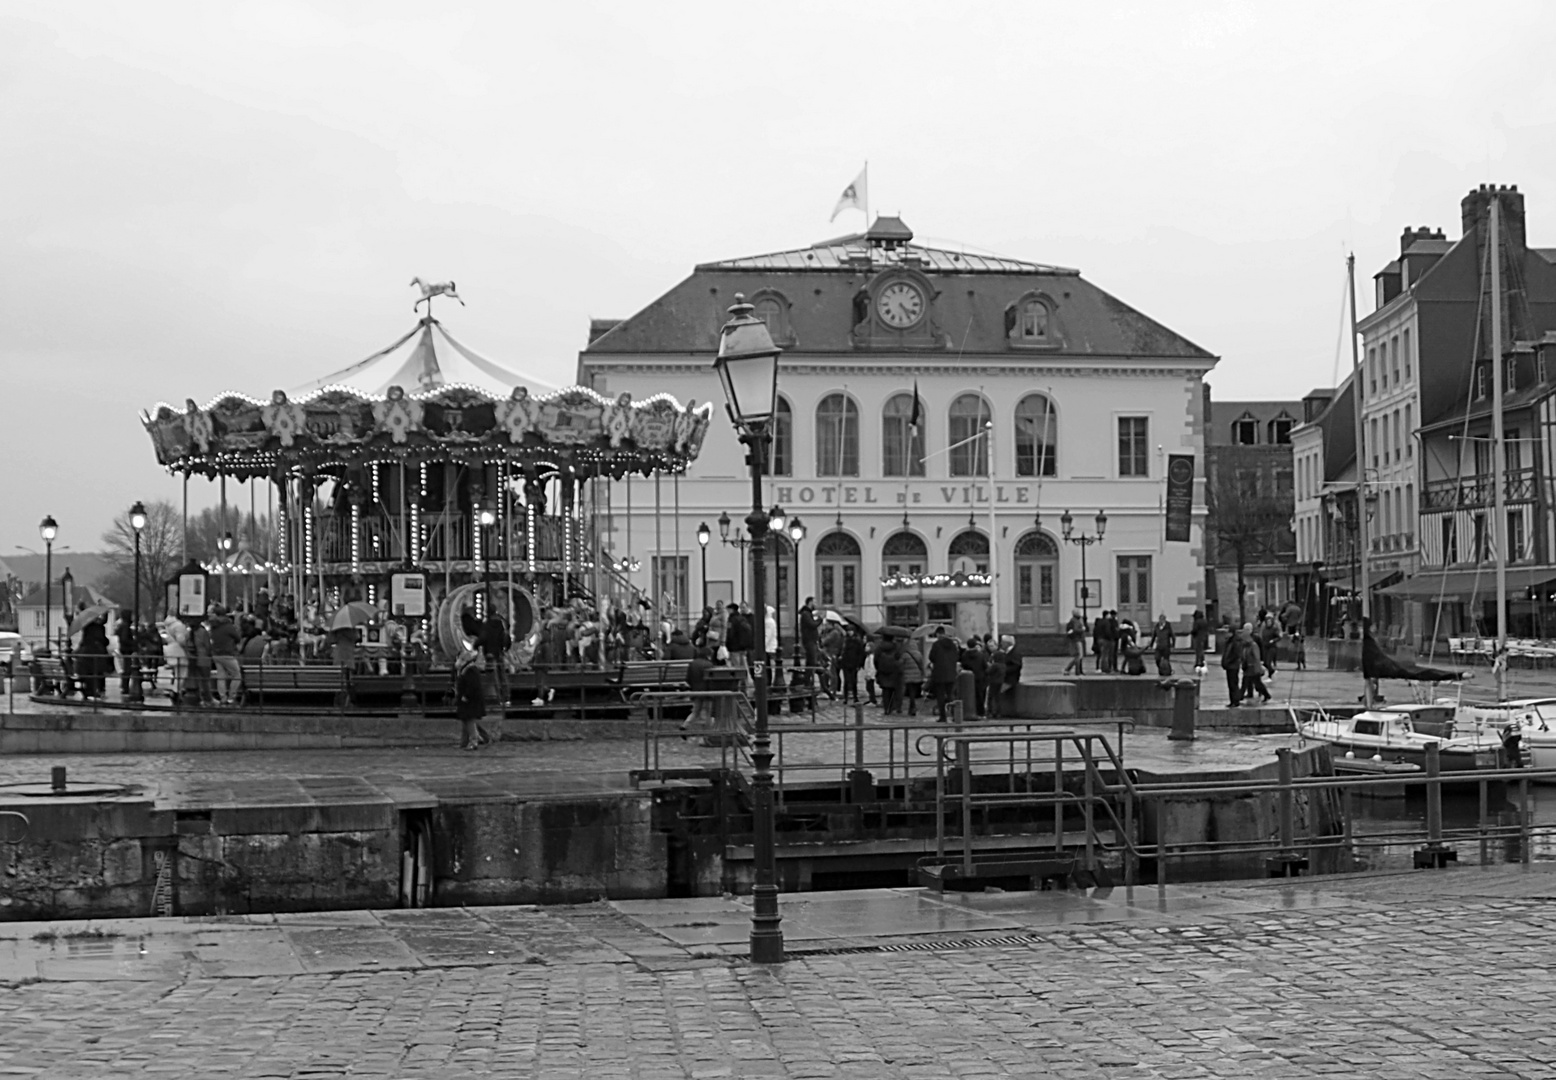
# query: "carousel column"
[[569, 498]]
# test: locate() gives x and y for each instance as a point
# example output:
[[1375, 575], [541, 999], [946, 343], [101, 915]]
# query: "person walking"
[[943, 660], [831, 648], [1232, 664], [738, 639], [124, 637], [1012, 665], [869, 671], [1253, 666], [1098, 636], [1161, 645], [1075, 635], [1199, 637], [1268, 634], [470, 697]]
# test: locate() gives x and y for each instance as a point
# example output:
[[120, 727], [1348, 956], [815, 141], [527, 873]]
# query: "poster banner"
[[1180, 496]]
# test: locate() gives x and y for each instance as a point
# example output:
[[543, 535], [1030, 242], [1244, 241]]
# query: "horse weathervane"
[[431, 289]]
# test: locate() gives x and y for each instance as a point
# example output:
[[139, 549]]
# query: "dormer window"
[[1482, 381], [1280, 430], [1510, 381], [1245, 432], [1030, 324], [772, 307]]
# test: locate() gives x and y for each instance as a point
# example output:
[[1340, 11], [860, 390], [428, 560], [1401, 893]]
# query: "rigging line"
[[1458, 493], [1339, 344]]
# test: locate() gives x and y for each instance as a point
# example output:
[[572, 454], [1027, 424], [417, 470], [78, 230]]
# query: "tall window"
[[1394, 358], [837, 571], [672, 578], [902, 448], [1036, 436], [1032, 324], [969, 551], [1450, 540], [837, 436], [1133, 450], [1515, 536], [969, 414], [1372, 372], [780, 456], [1410, 430]]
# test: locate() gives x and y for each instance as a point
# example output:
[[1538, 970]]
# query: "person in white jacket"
[[771, 632]]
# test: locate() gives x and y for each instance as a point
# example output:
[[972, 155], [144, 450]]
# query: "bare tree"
[[1248, 526], [161, 542], [207, 528]]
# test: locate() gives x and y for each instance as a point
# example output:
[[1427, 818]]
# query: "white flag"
[[856, 195]]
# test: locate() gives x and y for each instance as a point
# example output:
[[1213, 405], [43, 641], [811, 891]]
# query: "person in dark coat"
[[1161, 645], [1099, 637], [1012, 663], [470, 697], [889, 674], [912, 675], [810, 633], [704, 624], [944, 658], [124, 634], [494, 642], [1112, 641], [697, 680], [681, 647], [995, 683], [92, 658], [974, 660], [1253, 666], [1199, 636], [851, 660], [738, 639]]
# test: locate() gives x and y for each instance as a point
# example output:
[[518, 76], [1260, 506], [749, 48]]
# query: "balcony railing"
[[1519, 486]]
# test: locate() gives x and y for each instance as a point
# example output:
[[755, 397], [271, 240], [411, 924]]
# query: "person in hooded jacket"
[[681, 647], [851, 660], [889, 673]]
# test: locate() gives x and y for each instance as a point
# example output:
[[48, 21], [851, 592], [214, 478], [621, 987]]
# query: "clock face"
[[900, 304]]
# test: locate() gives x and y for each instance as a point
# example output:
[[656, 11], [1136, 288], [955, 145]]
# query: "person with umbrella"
[[92, 654]]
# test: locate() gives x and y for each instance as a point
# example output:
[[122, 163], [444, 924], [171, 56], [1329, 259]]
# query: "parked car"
[[8, 643]]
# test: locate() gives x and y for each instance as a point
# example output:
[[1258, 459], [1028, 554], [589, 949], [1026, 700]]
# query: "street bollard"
[[1434, 856], [967, 694], [57, 780], [1287, 862], [1185, 707]]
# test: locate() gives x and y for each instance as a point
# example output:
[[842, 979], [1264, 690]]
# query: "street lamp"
[[1067, 526], [740, 543], [796, 534], [747, 365], [704, 534], [137, 522], [225, 543], [48, 528]]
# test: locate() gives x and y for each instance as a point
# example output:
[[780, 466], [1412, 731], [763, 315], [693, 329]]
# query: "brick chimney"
[[1475, 213], [1410, 236]]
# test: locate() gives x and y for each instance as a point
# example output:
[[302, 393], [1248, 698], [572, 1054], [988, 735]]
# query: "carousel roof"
[[427, 397], [427, 358]]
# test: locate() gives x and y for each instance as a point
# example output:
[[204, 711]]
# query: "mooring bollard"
[[1434, 856], [1287, 862], [861, 784], [57, 781]]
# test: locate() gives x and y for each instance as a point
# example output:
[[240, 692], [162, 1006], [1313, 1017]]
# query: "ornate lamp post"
[[138, 523], [704, 534], [48, 528], [796, 534], [747, 365], [1067, 526]]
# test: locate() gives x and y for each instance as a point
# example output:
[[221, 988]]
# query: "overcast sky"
[[198, 197]]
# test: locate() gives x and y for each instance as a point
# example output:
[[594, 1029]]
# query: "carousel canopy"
[[427, 398]]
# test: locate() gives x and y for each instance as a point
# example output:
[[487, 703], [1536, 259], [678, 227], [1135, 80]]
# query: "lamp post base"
[[766, 930]]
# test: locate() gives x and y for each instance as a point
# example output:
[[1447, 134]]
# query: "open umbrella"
[[928, 629], [88, 615], [895, 631], [353, 615], [831, 616]]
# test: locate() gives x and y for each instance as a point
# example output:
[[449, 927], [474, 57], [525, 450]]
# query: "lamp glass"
[[1102, 524], [747, 364], [48, 528], [704, 534], [777, 518], [138, 517], [1067, 523], [724, 525], [796, 530], [488, 516]]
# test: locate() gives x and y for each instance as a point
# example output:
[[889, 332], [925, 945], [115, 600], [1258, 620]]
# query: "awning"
[[1470, 584], [1377, 578]]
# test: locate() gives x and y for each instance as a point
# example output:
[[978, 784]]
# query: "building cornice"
[[1048, 366]]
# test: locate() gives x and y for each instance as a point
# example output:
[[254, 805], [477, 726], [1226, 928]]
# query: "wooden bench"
[[282, 681], [652, 674], [49, 676]]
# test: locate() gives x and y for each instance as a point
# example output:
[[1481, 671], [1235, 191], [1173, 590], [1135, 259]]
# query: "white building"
[[1081, 396]]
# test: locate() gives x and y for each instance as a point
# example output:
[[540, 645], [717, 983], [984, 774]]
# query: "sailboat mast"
[[1498, 445], [1362, 540]]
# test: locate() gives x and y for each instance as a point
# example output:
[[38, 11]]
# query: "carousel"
[[427, 481]]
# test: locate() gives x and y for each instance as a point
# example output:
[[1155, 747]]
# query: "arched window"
[[773, 309], [969, 414], [904, 553], [837, 572], [780, 458], [902, 442], [1037, 431], [837, 436], [1032, 321], [1029, 323], [968, 551]]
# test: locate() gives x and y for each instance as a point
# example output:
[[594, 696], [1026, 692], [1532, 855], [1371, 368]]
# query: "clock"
[[900, 305]]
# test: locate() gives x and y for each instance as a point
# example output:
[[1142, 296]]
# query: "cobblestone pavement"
[[1440, 975]]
